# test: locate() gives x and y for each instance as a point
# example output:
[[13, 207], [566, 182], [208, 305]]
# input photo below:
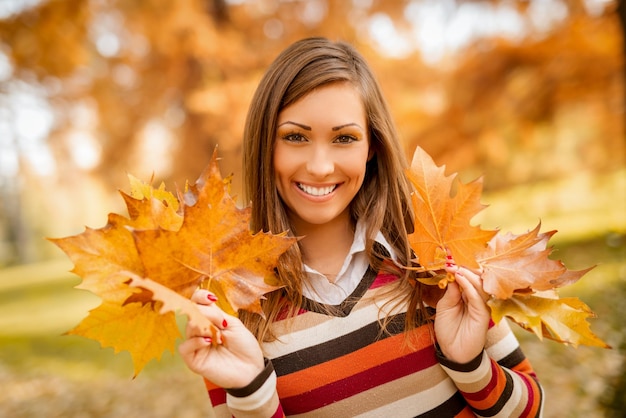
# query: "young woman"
[[350, 333]]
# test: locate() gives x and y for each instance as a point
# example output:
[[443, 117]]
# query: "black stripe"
[[255, 384], [340, 346], [459, 367], [337, 347], [513, 359], [450, 408]]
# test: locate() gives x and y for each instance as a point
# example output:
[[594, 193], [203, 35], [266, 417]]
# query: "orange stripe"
[[496, 392], [209, 385], [524, 367], [466, 413], [361, 360]]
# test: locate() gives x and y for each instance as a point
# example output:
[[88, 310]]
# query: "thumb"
[[450, 297]]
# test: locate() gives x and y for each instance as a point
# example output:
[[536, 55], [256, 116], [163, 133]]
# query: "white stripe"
[[427, 400], [503, 348], [260, 397], [328, 330], [471, 377]]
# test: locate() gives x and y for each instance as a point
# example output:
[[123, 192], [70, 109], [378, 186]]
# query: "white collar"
[[318, 288]]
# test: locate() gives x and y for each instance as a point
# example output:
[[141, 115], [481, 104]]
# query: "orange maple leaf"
[[516, 269], [146, 267], [442, 221], [214, 245]]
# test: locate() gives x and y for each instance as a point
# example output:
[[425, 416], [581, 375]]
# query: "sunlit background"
[[529, 94]]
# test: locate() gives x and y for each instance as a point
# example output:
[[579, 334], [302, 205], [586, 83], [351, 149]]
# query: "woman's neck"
[[325, 247]]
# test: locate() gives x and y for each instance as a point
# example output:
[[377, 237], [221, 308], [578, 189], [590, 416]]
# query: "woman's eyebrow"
[[336, 128], [305, 127]]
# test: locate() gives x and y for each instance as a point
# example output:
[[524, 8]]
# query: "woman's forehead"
[[340, 102]]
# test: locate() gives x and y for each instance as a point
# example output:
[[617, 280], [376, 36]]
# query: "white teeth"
[[316, 191]]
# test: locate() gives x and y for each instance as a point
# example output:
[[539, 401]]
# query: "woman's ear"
[[371, 154]]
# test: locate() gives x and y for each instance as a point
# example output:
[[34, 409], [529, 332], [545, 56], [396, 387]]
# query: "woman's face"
[[321, 149]]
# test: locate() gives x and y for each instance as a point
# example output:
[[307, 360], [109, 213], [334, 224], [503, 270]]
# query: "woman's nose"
[[319, 162]]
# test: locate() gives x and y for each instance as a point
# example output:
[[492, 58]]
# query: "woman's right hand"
[[231, 364]]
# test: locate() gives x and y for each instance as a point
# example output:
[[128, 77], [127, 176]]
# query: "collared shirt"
[[318, 288]]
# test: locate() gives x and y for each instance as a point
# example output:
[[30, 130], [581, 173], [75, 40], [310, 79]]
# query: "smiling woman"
[[350, 332], [320, 156]]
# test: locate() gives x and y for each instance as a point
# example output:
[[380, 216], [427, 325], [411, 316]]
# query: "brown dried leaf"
[[514, 267], [514, 262]]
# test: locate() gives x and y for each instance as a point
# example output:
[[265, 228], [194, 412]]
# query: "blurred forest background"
[[529, 94]]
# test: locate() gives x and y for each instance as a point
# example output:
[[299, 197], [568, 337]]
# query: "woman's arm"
[[462, 317], [237, 375], [498, 381], [259, 399]]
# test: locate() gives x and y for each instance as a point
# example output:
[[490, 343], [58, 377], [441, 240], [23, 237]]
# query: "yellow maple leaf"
[[134, 327], [146, 267], [560, 319], [149, 208]]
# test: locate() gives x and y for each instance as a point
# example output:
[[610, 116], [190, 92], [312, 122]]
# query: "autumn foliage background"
[[529, 94]]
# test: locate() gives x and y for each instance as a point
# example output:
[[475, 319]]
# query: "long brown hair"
[[384, 197]]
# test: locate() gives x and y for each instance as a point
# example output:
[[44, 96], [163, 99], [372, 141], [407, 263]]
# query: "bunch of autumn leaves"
[[146, 267]]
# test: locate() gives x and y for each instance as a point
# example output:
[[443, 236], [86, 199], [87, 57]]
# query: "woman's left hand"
[[462, 316]]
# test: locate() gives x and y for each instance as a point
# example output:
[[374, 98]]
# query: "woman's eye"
[[345, 139], [294, 138]]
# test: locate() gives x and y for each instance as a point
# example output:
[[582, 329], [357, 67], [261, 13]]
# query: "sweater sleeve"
[[500, 381], [258, 399]]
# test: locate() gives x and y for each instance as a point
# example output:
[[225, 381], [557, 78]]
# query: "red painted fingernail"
[[208, 340], [449, 257], [224, 324], [211, 297], [449, 264]]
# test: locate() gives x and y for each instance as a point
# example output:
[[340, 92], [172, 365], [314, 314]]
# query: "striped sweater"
[[337, 363]]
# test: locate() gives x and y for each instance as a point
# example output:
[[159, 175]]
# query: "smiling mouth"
[[317, 191]]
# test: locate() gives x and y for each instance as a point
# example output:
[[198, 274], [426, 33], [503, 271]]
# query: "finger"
[[471, 276], [218, 318], [450, 263], [191, 345], [203, 297], [449, 258], [471, 285], [475, 279], [451, 266], [477, 271], [450, 298]]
